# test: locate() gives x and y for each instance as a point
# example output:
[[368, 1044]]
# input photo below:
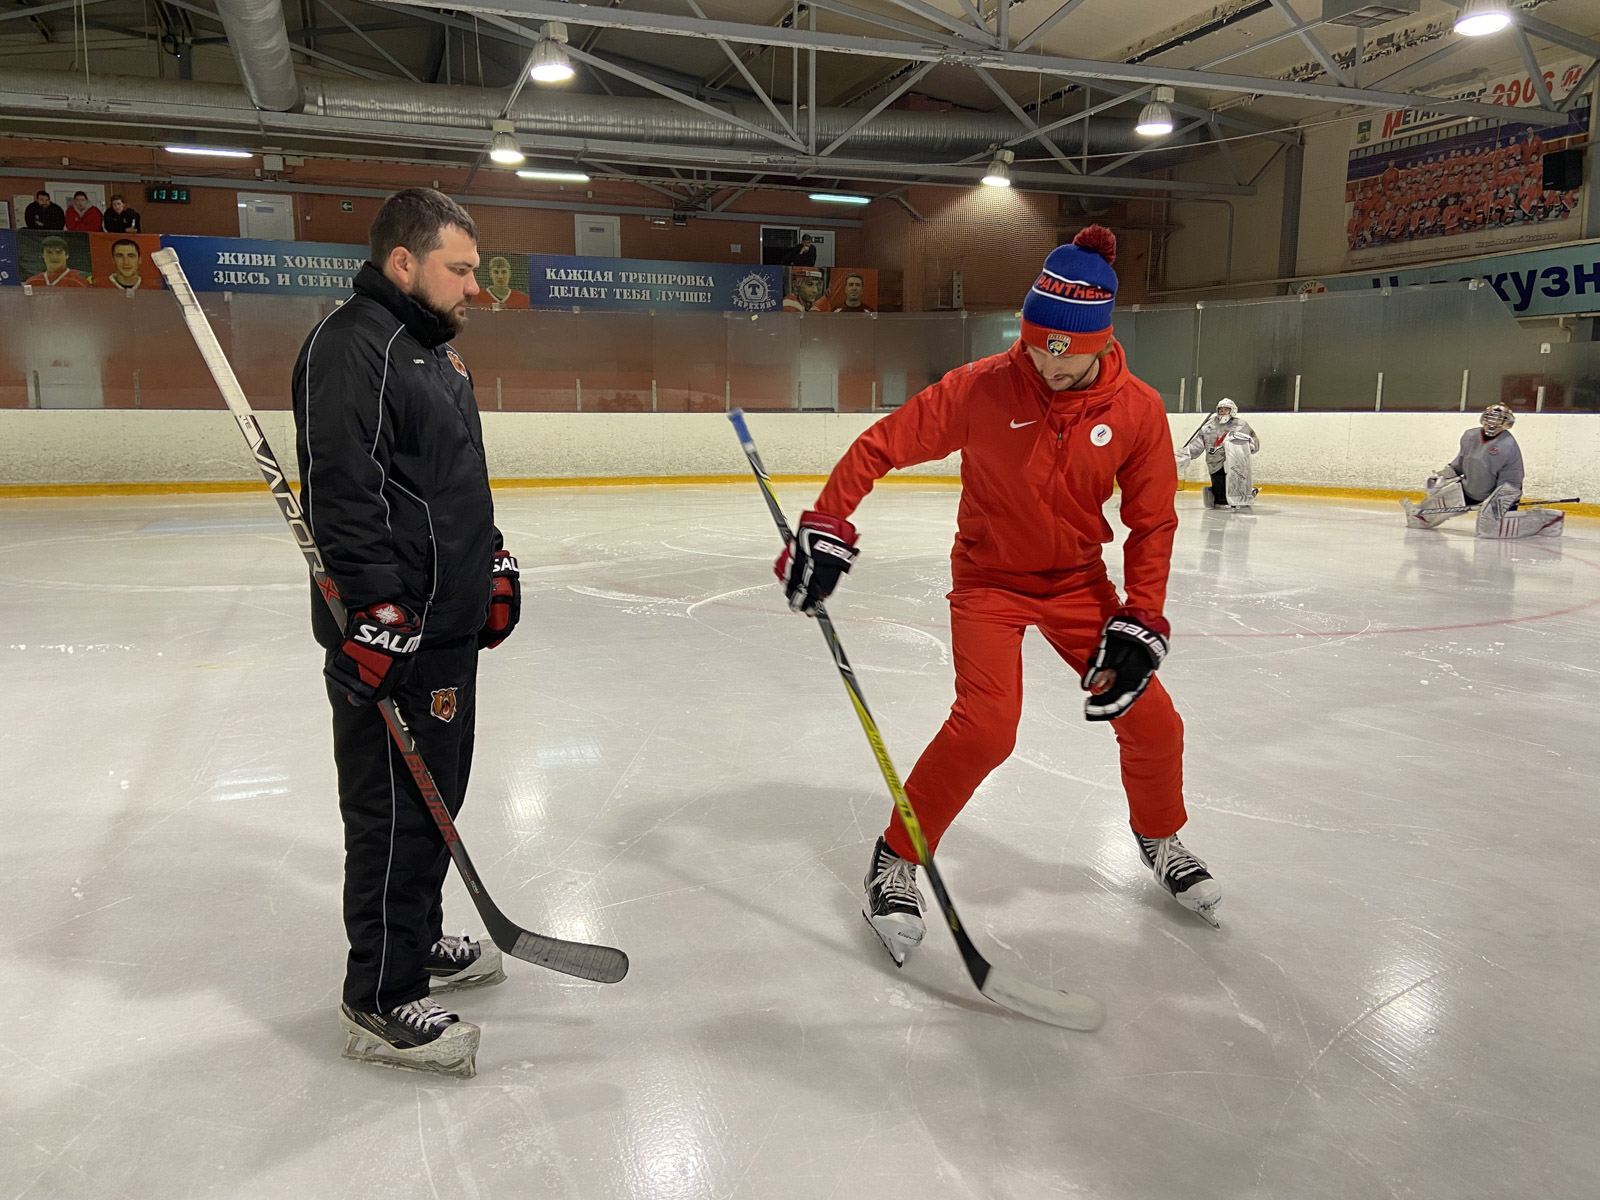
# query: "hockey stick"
[[602, 964], [1067, 1009]]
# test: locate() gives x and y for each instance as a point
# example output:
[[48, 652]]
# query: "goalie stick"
[[1066, 1009], [603, 964]]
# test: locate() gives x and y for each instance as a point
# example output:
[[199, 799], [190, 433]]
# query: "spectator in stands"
[[83, 217], [44, 213], [805, 254], [119, 218]]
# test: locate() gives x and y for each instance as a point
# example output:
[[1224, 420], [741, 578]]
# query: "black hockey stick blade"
[[1069, 1010], [600, 963]]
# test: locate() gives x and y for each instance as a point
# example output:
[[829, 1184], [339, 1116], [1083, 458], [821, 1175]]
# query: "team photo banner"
[[254, 265], [638, 285]]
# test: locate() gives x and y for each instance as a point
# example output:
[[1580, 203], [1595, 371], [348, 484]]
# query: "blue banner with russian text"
[[8, 259], [216, 264], [1533, 283], [642, 285]]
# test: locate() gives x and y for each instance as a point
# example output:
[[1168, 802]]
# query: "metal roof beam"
[[678, 97], [905, 85], [1558, 36], [19, 13], [1028, 122], [1298, 27], [738, 65], [1049, 23], [1525, 48], [1134, 73]]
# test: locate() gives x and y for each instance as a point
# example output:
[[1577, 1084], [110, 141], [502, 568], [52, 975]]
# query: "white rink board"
[[1364, 450]]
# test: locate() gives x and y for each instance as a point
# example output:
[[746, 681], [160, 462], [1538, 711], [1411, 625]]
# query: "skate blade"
[[898, 947], [462, 981], [1207, 913], [453, 1053]]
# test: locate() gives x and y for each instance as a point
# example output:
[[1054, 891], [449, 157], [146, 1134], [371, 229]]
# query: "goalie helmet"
[[1495, 418], [1226, 409]]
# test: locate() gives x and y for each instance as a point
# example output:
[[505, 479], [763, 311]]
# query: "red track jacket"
[[1036, 468]]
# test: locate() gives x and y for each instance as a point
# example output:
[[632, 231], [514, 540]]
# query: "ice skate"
[[419, 1036], [1182, 874], [893, 903], [455, 963]]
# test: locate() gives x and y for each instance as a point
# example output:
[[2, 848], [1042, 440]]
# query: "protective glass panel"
[[691, 361], [1250, 353], [1340, 334], [913, 350], [763, 352]]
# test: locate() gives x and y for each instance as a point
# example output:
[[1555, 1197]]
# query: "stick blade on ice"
[[602, 964], [1069, 1010]]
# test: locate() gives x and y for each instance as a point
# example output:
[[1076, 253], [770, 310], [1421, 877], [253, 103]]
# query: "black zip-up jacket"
[[393, 478]]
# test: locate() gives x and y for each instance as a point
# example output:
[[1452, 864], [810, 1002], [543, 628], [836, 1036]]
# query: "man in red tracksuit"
[[1044, 431]]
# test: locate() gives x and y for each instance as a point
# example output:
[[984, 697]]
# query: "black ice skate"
[[1182, 874], [455, 963], [893, 903], [420, 1036]]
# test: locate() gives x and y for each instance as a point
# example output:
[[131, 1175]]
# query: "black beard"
[[448, 320]]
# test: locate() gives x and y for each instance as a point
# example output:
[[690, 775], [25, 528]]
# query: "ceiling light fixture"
[[550, 63], [1155, 118], [1479, 18], [555, 176], [503, 148], [999, 172], [839, 198], [210, 151]]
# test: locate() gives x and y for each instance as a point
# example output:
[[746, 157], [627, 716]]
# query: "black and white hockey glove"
[[822, 549], [375, 656], [505, 601], [1132, 646]]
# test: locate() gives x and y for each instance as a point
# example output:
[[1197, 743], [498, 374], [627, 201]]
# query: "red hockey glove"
[[379, 641], [1132, 646], [822, 549], [505, 601]]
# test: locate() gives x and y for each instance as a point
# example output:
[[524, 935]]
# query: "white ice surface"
[[1392, 770]]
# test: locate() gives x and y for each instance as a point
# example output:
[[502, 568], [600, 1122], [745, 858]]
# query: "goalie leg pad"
[[1524, 523]]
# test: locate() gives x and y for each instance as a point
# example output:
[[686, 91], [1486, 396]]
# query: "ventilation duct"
[[260, 44], [432, 110]]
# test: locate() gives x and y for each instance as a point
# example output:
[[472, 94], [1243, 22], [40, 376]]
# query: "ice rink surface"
[[1392, 769]]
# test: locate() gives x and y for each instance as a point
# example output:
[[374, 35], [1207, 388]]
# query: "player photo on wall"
[[805, 289], [48, 259], [122, 260], [502, 281], [853, 290]]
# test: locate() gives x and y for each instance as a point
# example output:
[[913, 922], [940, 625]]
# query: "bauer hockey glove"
[[375, 656], [1132, 646], [505, 601], [822, 549]]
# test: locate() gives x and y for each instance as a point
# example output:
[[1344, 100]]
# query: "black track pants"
[[395, 860]]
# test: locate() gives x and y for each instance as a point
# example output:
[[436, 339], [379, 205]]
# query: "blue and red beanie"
[[1068, 309]]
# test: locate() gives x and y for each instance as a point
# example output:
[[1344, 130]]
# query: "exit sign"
[[166, 194]]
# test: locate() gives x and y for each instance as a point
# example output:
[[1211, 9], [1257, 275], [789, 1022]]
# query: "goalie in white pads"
[[1227, 441], [1485, 474]]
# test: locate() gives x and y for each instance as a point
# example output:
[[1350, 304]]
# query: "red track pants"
[[986, 626]]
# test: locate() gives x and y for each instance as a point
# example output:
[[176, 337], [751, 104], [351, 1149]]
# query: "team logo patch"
[[461, 367], [1100, 435], [1056, 344], [444, 704]]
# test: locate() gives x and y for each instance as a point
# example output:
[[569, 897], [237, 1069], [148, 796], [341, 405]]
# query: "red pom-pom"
[[1100, 240]]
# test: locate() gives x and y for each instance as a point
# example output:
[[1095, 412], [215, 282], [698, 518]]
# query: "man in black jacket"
[[44, 213], [396, 492]]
